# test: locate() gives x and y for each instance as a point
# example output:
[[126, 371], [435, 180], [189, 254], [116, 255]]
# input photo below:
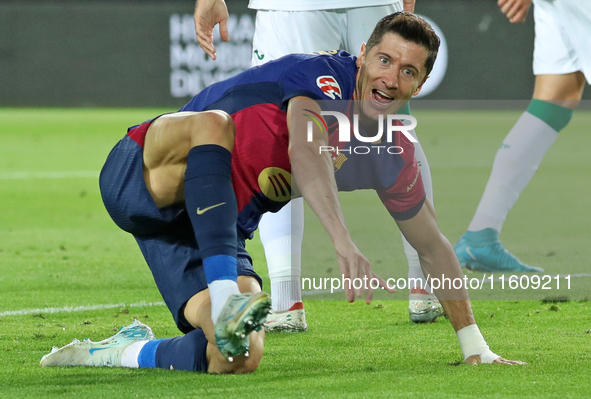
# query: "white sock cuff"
[[130, 355], [285, 294], [219, 292]]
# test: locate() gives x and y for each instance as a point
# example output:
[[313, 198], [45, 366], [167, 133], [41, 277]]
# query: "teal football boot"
[[482, 251], [242, 314], [105, 353]]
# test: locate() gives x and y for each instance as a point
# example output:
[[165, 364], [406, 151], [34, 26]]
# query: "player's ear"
[[418, 90], [361, 57]]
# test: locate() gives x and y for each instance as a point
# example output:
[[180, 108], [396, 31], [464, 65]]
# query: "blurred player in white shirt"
[[562, 61], [304, 26]]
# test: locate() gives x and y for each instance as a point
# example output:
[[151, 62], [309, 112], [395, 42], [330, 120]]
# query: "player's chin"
[[373, 112], [373, 109]]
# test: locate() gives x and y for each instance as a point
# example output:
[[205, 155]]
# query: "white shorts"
[[562, 37], [279, 33]]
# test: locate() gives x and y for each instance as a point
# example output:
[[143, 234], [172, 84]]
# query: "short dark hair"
[[410, 27]]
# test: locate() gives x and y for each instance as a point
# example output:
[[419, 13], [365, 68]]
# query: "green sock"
[[555, 116]]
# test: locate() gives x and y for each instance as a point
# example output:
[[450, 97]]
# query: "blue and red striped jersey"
[[257, 101]]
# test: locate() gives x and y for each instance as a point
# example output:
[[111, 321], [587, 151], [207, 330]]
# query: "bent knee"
[[170, 137], [251, 363], [241, 365], [213, 127]]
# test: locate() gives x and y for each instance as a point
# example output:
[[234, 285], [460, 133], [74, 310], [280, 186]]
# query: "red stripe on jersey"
[[262, 141], [138, 134]]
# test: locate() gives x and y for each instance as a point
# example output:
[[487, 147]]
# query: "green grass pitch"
[[59, 249]]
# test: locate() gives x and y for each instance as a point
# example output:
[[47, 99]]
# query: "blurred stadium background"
[[96, 67], [88, 53], [132, 54]]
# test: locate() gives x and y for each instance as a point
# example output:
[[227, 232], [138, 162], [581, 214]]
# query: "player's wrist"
[[472, 343], [341, 239]]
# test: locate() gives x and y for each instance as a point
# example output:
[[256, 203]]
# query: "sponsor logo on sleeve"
[[329, 86]]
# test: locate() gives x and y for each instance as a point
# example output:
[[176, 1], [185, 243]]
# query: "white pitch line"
[[49, 175], [318, 292], [70, 309]]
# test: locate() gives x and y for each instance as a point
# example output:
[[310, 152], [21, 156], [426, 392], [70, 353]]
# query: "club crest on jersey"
[[329, 86], [338, 158]]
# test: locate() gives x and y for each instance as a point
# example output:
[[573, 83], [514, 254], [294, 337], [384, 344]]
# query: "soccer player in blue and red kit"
[[191, 186]]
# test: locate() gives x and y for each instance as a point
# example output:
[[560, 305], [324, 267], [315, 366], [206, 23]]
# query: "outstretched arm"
[[438, 259], [209, 13], [314, 173]]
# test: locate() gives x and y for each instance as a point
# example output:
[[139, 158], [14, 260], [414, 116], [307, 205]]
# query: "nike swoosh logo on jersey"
[[202, 211], [260, 57]]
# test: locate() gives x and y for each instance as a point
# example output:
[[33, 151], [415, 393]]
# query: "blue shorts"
[[165, 236]]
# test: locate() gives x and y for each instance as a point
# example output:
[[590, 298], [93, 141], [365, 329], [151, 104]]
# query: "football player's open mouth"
[[381, 98]]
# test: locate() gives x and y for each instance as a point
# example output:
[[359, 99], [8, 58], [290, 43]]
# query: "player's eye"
[[409, 73], [384, 60]]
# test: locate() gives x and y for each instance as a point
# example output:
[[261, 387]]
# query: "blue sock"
[[147, 356], [188, 353], [220, 267], [212, 207]]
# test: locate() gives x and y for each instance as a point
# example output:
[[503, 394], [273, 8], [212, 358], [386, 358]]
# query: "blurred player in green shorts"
[[562, 61]]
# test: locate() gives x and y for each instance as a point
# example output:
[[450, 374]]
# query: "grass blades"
[[59, 249]]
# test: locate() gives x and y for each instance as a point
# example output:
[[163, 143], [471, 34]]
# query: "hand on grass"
[[475, 359], [355, 266]]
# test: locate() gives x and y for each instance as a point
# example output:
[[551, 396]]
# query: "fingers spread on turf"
[[349, 292], [475, 359], [510, 362], [368, 295], [383, 284]]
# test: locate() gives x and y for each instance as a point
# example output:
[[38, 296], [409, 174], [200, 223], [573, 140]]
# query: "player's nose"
[[390, 80]]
